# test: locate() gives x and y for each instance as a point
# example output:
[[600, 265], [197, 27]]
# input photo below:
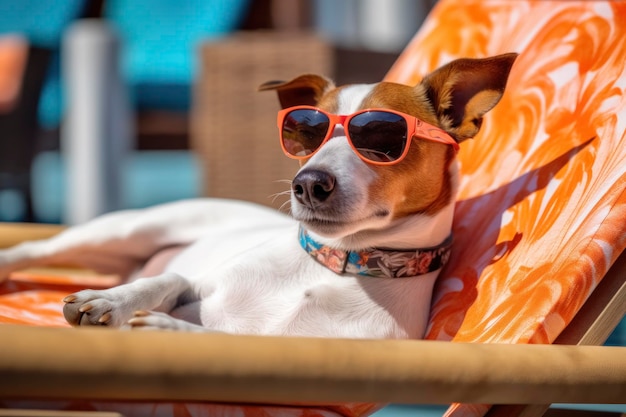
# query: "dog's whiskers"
[[279, 194], [283, 193], [285, 204]]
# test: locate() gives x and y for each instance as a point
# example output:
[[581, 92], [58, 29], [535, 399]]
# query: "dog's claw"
[[85, 308], [136, 321], [70, 298], [105, 318]]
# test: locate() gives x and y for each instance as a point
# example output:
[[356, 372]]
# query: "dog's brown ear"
[[462, 91], [303, 90]]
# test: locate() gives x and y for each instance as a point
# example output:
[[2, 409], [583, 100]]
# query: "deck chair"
[[538, 262]]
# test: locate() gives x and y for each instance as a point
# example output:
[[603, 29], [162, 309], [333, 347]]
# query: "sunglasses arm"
[[429, 132]]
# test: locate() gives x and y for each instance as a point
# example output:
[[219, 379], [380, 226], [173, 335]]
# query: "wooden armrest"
[[13, 233], [93, 363]]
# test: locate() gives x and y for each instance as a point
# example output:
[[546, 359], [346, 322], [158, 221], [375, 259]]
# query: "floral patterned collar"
[[381, 263]]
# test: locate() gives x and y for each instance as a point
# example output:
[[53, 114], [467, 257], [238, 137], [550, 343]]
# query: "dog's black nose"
[[312, 187]]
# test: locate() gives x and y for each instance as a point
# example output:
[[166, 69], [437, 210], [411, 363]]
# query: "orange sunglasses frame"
[[415, 128]]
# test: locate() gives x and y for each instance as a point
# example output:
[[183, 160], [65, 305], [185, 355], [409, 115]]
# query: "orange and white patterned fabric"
[[542, 206]]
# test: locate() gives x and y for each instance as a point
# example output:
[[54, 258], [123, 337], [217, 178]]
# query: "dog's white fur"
[[240, 267]]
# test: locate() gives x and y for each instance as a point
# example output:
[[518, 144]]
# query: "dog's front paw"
[[94, 308]]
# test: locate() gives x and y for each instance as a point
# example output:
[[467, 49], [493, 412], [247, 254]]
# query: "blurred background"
[[114, 104]]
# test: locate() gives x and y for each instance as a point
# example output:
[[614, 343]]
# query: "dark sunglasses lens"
[[378, 136], [303, 131]]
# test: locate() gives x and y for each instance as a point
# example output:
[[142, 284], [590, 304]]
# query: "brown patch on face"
[[403, 98], [330, 101], [421, 182]]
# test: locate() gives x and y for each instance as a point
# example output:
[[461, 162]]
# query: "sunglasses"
[[377, 136]]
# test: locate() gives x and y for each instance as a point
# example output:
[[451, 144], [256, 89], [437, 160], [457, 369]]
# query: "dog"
[[370, 227]]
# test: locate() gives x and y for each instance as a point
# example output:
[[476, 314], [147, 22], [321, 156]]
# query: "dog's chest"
[[265, 283]]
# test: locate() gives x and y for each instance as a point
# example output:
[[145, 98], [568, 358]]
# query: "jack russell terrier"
[[372, 208]]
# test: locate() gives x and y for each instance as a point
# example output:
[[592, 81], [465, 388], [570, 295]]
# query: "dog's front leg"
[[115, 306]]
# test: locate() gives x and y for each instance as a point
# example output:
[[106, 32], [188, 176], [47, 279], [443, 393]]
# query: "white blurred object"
[[377, 25], [96, 133], [389, 25]]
